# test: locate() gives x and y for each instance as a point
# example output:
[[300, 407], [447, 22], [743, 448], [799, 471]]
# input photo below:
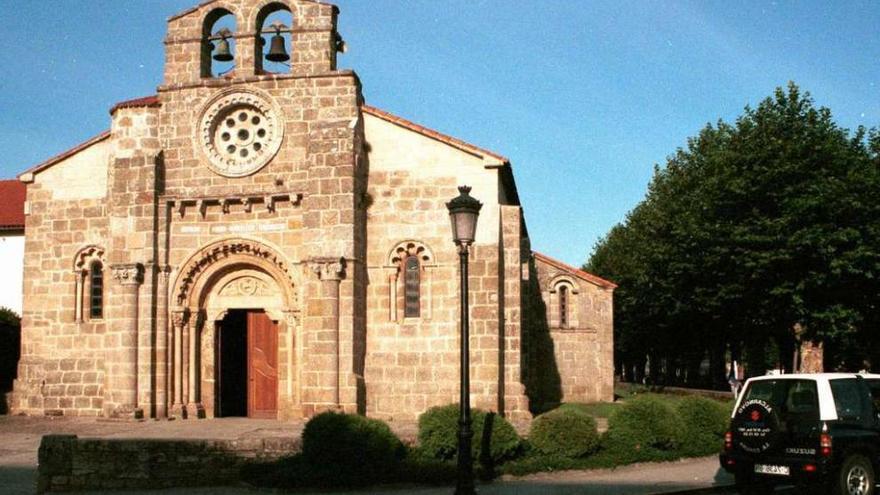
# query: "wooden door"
[[262, 366]]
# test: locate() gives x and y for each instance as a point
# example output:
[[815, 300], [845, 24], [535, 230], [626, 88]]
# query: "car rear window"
[[793, 399]]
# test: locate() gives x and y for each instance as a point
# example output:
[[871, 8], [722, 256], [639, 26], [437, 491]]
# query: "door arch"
[[232, 274]]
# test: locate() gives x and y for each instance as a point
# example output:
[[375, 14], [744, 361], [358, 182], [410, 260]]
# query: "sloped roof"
[[12, 197], [589, 277], [431, 133], [145, 101], [61, 156]]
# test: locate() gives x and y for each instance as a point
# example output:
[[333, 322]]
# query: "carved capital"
[[328, 268], [164, 273], [129, 273], [179, 318], [291, 318]]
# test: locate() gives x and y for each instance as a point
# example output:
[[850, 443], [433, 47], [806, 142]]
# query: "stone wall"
[[61, 370], [572, 356], [68, 463]]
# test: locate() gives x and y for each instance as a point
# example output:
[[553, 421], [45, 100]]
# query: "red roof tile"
[[589, 277], [443, 138], [12, 194], [146, 101]]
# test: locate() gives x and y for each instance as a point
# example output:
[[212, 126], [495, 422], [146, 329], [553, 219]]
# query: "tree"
[[756, 228]]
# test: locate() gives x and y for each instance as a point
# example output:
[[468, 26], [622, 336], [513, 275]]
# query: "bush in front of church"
[[645, 428], [438, 435], [567, 433], [350, 450], [705, 421]]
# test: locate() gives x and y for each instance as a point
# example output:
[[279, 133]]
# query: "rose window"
[[241, 132]]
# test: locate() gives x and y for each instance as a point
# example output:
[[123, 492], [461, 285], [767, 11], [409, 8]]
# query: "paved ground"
[[20, 439]]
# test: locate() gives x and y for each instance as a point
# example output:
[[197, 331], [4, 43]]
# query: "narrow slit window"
[[412, 281], [563, 306], [96, 291]]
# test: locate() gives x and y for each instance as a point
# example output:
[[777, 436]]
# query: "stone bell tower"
[[245, 174]]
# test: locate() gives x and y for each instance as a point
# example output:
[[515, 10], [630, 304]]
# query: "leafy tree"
[[9, 317], [754, 228]]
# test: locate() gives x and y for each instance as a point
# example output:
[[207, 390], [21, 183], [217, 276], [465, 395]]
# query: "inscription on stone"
[[240, 228]]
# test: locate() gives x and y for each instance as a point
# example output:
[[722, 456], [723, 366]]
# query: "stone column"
[[331, 271], [392, 295], [290, 366], [129, 276], [194, 407], [162, 345], [80, 279], [175, 361]]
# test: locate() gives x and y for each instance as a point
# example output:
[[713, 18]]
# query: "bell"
[[221, 52], [277, 52]]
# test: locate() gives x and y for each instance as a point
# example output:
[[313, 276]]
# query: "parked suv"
[[820, 430]]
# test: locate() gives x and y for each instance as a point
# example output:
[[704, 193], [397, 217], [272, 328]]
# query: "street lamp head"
[[463, 212]]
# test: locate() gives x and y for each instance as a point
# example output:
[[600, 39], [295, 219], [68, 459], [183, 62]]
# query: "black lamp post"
[[463, 211]]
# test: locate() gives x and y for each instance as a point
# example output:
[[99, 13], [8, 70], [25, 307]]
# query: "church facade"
[[266, 244]]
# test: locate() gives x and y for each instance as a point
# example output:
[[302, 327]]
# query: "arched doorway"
[[232, 350]]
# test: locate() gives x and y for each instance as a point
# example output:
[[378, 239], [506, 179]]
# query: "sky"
[[584, 97]]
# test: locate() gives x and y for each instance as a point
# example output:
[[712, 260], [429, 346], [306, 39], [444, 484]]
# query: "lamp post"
[[463, 212]]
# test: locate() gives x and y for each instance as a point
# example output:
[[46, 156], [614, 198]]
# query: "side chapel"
[[255, 240]]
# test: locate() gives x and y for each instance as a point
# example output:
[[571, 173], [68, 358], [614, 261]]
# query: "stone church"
[[263, 243]]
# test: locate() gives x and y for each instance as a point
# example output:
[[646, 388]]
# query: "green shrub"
[[644, 428], [438, 434], [705, 421], [564, 432], [350, 450], [592, 409]]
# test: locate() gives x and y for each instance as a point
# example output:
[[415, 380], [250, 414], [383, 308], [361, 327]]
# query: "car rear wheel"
[[856, 477]]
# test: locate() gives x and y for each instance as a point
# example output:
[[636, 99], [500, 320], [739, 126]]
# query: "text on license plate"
[[771, 469]]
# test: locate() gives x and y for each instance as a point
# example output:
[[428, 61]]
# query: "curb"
[[703, 491]]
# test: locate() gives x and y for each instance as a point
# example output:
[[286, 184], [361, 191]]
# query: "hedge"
[[644, 429], [350, 450], [438, 434], [568, 433], [705, 421]]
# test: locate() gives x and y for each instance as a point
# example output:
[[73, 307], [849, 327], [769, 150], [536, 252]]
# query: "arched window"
[[218, 43], [96, 290], [88, 271], [412, 282], [273, 31], [563, 306]]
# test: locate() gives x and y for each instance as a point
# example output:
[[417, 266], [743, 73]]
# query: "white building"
[[11, 243]]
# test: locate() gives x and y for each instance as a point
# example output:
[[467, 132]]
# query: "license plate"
[[771, 469]]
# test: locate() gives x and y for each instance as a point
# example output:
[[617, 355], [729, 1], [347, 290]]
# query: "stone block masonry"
[[69, 463]]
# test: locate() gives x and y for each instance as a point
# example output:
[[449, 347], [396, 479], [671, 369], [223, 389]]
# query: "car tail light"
[[825, 444], [728, 441], [809, 468]]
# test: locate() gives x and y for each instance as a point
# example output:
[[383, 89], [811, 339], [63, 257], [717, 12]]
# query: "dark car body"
[[801, 429]]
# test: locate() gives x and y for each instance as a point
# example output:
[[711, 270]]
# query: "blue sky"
[[584, 97]]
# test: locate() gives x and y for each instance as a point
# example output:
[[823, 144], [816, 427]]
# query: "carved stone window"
[[563, 306], [88, 270], [412, 292], [96, 290], [562, 310], [240, 132], [410, 282]]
